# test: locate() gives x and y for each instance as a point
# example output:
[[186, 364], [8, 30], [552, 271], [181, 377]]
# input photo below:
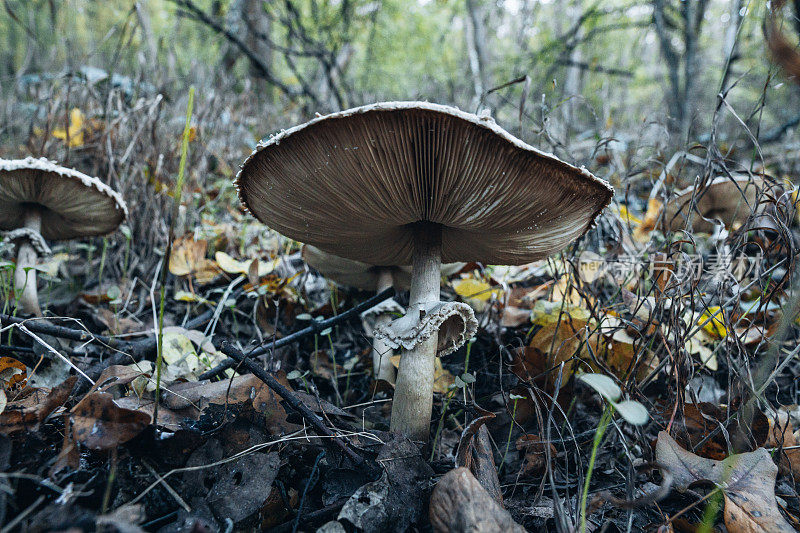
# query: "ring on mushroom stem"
[[40, 200], [371, 278], [401, 183]]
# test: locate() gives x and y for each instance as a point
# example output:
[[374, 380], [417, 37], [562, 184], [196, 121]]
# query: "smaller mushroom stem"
[[381, 364], [413, 396], [25, 272]]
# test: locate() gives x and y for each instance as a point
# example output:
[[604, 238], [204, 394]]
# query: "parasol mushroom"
[[731, 200], [41, 201], [415, 183], [362, 276]]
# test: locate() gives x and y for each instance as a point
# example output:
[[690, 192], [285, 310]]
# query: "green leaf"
[[604, 385], [633, 412]]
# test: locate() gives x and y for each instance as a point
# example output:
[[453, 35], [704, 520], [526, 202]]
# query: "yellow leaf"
[[75, 130], [714, 322], [474, 289], [627, 217], [642, 232], [185, 296], [188, 257], [546, 313], [232, 266], [442, 378]]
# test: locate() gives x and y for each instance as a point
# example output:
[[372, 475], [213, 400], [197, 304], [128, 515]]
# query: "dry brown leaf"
[[100, 424], [700, 419], [642, 232], [13, 374], [28, 409], [460, 503], [781, 436], [188, 258], [475, 453], [747, 481]]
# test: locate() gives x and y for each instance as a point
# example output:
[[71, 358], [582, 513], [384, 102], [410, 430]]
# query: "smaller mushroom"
[[730, 200], [39, 201], [362, 276]]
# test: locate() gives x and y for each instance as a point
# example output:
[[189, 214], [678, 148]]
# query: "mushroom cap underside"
[[72, 204], [356, 183], [730, 200]]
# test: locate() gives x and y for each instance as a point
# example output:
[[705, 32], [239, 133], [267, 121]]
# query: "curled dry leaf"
[[459, 503], [747, 481], [475, 452], [232, 266], [13, 374], [100, 424], [27, 410]]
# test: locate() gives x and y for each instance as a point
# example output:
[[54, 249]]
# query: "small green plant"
[[631, 411], [102, 263], [516, 398], [296, 374], [177, 192]]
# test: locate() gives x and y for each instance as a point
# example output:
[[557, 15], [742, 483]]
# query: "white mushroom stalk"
[[25, 271], [413, 395]]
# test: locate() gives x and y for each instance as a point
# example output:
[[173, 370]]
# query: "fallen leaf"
[[712, 319], [232, 266], [188, 258], [475, 292], [234, 489], [460, 503], [74, 132], [13, 374], [700, 419], [397, 499], [100, 424], [747, 481], [781, 436], [642, 232], [33, 406]]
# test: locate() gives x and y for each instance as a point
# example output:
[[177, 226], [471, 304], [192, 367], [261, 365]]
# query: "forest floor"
[[698, 327]]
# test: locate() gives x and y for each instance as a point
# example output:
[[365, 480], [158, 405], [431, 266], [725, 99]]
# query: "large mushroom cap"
[[354, 184], [72, 204]]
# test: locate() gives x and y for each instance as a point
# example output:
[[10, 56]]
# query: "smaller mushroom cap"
[[72, 203], [351, 273], [726, 199], [360, 275]]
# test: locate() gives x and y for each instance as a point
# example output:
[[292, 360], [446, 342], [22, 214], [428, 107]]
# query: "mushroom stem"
[[413, 395], [381, 364], [25, 272]]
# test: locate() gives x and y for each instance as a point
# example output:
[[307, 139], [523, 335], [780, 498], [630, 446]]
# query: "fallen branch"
[[315, 327], [135, 349], [293, 401]]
